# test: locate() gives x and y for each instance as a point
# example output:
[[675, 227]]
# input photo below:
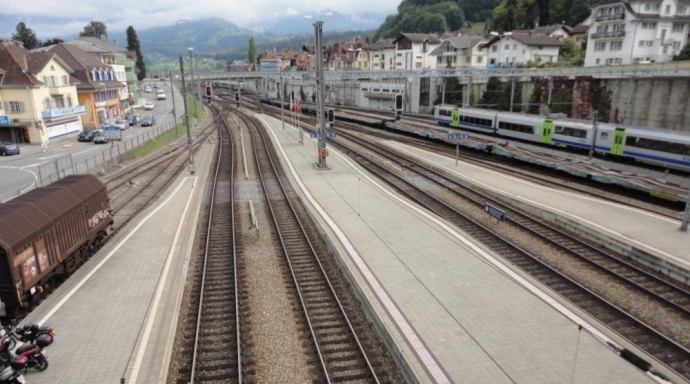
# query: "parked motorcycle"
[[35, 353], [5, 348], [11, 374], [28, 333]]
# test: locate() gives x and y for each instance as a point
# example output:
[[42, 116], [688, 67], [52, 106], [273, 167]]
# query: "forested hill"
[[437, 16]]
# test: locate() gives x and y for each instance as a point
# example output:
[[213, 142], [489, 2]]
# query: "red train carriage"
[[47, 233]]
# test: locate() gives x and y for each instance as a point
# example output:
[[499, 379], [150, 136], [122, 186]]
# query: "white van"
[[161, 94]]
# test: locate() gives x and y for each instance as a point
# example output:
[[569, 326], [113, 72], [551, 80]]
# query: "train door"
[[456, 118], [618, 142], [546, 131]]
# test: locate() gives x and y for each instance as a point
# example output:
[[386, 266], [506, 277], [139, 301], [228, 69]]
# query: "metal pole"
[[321, 93], [548, 102], [594, 132], [172, 92], [686, 216], [443, 91], [280, 90], [512, 93], [186, 113], [191, 64]]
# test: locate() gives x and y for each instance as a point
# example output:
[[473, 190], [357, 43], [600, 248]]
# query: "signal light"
[[209, 92], [399, 102], [330, 115], [237, 96]]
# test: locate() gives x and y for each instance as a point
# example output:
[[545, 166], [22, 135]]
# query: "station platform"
[[447, 307], [116, 316]]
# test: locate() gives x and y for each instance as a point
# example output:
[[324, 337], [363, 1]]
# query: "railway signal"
[[398, 106], [237, 99], [209, 93], [330, 117]]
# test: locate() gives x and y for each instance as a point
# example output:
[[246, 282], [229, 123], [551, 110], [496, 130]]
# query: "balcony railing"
[[53, 113], [604, 35], [615, 16], [60, 89], [667, 42]]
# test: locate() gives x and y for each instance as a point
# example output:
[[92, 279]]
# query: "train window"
[[661, 146], [567, 131], [476, 121], [631, 141], [516, 127], [444, 112], [604, 136]]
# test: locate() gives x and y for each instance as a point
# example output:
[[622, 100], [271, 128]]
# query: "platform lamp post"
[[320, 90], [184, 101], [191, 81]]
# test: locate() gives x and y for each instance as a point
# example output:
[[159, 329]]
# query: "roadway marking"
[[107, 257], [21, 169], [561, 212], [88, 150], [159, 292], [49, 157]]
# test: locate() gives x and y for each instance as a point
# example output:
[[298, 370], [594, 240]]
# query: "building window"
[[601, 46], [665, 50], [641, 43], [65, 82], [494, 49], [480, 59], [376, 55], [507, 47], [678, 27], [46, 103], [649, 25], [602, 28], [468, 59], [636, 60], [650, 43], [424, 91], [514, 47], [668, 9], [69, 101], [399, 54], [598, 61], [676, 45], [619, 61], [680, 10], [418, 65], [616, 45], [16, 107], [619, 27]]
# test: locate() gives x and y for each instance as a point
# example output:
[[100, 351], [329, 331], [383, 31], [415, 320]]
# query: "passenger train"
[[670, 149]]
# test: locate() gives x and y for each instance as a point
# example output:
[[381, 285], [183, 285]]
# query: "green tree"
[[473, 97], [251, 55], [94, 29], [535, 99], [569, 12], [422, 17], [26, 36], [134, 45], [53, 41], [491, 96], [504, 96], [684, 54], [562, 99]]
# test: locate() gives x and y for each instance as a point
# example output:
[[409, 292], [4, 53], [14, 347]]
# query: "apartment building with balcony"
[[98, 89], [636, 31], [38, 97], [519, 48], [461, 51], [382, 55], [412, 51]]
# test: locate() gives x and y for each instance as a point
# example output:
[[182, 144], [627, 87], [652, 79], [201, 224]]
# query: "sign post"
[[113, 133], [495, 212], [457, 136], [4, 120]]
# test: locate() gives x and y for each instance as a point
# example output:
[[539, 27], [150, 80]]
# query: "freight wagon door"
[[456, 118], [546, 131], [618, 142]]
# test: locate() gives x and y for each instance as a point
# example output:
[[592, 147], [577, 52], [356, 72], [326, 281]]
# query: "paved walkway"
[[452, 310], [117, 315]]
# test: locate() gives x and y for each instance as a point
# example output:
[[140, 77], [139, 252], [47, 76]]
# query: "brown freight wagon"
[[47, 233]]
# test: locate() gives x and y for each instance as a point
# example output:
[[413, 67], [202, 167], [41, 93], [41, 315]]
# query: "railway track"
[[339, 354], [666, 350], [208, 340]]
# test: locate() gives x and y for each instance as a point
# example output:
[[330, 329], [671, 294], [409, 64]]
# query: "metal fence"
[[52, 170]]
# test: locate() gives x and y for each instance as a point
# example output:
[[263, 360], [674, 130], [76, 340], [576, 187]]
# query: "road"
[[20, 172]]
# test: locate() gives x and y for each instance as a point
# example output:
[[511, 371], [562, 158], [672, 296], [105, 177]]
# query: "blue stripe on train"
[[648, 157], [464, 125]]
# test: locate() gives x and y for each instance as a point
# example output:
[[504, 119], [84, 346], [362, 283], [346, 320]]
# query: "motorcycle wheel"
[[41, 363], [13, 343]]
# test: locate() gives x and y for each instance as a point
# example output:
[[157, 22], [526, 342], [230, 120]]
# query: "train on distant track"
[[669, 149], [46, 234]]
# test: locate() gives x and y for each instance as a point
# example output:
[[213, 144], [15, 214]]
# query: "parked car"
[[100, 138], [149, 105], [161, 94], [147, 89], [8, 148], [87, 135], [133, 119], [148, 121], [123, 124]]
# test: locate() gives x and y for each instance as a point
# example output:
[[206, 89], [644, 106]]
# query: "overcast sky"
[[153, 13]]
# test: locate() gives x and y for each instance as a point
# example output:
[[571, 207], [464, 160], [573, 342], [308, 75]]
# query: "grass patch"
[[159, 142], [201, 112], [478, 27]]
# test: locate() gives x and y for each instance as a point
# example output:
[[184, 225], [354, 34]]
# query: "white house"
[[636, 31], [557, 31], [521, 47], [461, 51], [412, 51], [383, 55]]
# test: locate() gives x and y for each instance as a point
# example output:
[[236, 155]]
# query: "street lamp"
[[177, 26], [320, 90], [500, 36]]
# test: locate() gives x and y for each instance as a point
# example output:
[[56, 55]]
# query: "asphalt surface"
[[21, 172]]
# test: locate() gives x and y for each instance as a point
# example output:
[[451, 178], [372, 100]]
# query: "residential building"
[[119, 58], [412, 51], [383, 55], [363, 59], [98, 88], [556, 31], [521, 47], [308, 51], [579, 34], [237, 66], [636, 31], [461, 51], [38, 98]]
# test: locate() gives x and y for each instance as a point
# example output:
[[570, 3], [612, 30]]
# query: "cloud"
[[46, 18]]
